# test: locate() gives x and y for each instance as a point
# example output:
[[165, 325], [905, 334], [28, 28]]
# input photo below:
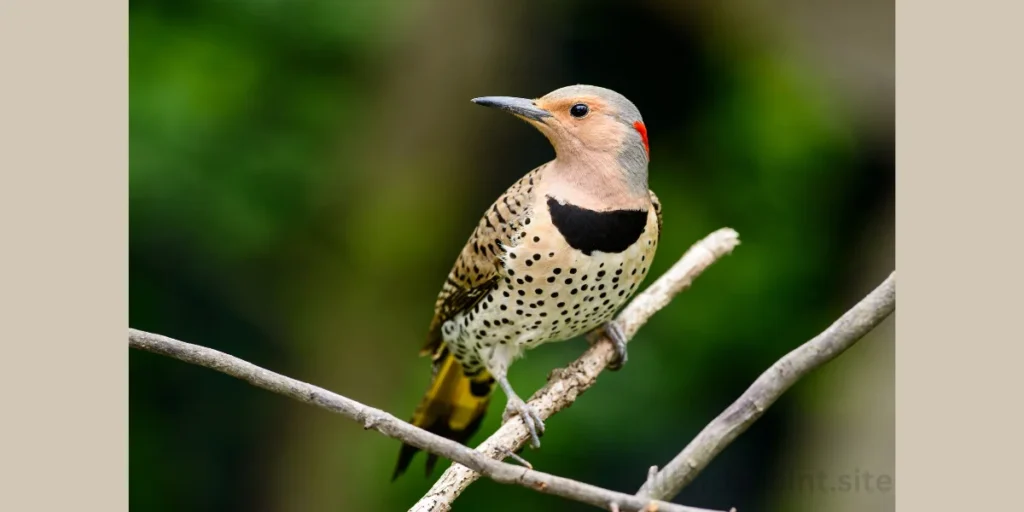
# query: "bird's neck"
[[600, 181]]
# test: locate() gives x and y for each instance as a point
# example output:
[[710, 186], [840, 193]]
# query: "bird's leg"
[[618, 338], [516, 405]]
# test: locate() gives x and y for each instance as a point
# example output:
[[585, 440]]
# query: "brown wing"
[[477, 270]]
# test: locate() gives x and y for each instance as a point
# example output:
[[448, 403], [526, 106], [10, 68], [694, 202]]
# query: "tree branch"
[[565, 385], [841, 335], [393, 427]]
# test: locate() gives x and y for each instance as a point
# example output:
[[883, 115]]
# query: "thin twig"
[[565, 385], [841, 335], [391, 426]]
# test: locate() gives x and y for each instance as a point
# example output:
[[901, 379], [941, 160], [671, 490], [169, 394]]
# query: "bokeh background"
[[303, 174]]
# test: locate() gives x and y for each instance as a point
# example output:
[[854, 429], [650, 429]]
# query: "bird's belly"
[[557, 296]]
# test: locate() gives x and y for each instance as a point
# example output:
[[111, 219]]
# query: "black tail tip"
[[431, 462], [404, 459]]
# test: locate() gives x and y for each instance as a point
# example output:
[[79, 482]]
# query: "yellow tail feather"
[[453, 406]]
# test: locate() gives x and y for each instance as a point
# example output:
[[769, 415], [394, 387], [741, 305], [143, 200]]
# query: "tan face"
[[581, 123], [598, 136]]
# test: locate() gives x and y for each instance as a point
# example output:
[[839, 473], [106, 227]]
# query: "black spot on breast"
[[588, 230]]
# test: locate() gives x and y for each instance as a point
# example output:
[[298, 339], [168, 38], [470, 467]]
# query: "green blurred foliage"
[[304, 173]]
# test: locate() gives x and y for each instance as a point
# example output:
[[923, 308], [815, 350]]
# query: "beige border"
[[959, 211], [63, 162], [63, 269]]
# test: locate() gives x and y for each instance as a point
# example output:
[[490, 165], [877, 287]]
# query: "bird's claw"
[[515, 456], [530, 418]]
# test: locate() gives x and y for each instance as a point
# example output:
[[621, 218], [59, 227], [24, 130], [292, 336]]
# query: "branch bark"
[[841, 335], [565, 385], [393, 427]]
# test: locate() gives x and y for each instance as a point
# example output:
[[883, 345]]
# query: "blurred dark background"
[[304, 173]]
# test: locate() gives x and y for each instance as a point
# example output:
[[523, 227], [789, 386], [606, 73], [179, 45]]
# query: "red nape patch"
[[643, 135]]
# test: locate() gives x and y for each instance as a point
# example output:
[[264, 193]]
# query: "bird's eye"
[[579, 110]]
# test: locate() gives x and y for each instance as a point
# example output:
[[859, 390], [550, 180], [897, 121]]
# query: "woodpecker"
[[553, 257]]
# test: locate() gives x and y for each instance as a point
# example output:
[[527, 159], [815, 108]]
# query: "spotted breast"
[[565, 272]]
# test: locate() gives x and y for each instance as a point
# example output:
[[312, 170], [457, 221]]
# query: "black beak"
[[521, 107]]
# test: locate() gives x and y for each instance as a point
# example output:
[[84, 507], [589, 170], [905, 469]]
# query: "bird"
[[553, 258]]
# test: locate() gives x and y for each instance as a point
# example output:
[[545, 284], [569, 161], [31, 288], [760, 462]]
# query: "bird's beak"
[[521, 107]]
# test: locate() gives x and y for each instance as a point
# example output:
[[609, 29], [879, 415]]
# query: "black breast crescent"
[[588, 230]]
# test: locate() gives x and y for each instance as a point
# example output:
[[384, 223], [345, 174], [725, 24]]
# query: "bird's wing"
[[657, 209], [478, 268]]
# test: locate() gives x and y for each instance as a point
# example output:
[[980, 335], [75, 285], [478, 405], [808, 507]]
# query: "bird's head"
[[586, 124]]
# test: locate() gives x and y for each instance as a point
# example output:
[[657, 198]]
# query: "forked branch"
[[561, 391], [565, 386], [391, 426]]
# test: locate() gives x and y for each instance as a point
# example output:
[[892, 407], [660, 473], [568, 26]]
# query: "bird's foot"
[[530, 418], [618, 338]]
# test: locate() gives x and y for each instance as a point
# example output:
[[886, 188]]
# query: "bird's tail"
[[453, 407]]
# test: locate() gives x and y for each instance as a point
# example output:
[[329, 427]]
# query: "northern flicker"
[[553, 258]]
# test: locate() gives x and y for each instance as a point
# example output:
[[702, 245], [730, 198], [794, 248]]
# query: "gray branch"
[[395, 428], [841, 335], [565, 385]]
